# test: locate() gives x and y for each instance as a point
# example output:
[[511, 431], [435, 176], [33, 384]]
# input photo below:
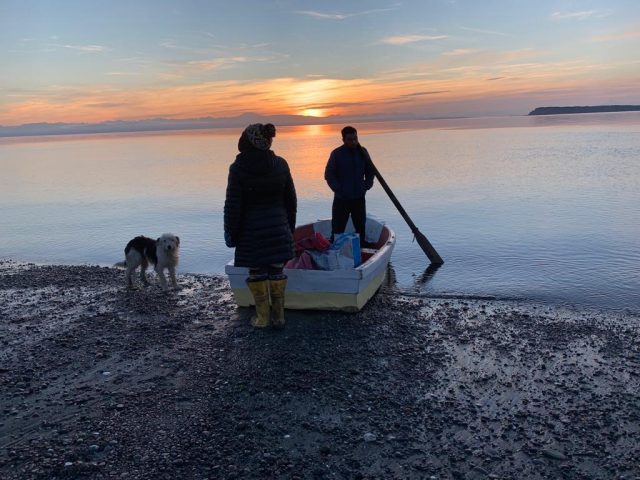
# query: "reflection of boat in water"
[[390, 282], [347, 290]]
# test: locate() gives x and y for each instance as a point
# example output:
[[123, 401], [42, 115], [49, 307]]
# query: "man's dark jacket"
[[260, 209], [349, 172]]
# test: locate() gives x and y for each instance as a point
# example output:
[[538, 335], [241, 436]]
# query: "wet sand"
[[101, 382]]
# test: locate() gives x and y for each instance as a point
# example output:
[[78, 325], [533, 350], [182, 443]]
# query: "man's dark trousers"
[[340, 211]]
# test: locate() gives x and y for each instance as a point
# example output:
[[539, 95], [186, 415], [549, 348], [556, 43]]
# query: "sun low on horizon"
[[85, 62], [314, 112]]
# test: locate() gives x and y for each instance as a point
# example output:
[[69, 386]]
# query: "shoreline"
[[102, 382], [402, 291]]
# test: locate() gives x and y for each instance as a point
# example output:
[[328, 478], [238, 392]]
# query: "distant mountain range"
[[596, 109], [241, 121], [160, 124], [153, 124]]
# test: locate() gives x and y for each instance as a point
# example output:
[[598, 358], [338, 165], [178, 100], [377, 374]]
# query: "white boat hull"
[[347, 290]]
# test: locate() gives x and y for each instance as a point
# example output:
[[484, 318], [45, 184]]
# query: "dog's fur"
[[161, 253]]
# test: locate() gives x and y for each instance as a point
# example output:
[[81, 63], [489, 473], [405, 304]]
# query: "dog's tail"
[[120, 264]]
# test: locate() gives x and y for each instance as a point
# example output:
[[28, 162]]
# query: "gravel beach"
[[102, 382]]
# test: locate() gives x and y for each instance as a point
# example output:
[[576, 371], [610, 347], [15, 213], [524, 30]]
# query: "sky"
[[93, 61]]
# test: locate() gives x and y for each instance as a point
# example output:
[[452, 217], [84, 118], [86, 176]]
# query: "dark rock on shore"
[[102, 382]]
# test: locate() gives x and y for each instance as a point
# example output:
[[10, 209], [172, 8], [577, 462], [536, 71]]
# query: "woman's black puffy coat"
[[260, 209]]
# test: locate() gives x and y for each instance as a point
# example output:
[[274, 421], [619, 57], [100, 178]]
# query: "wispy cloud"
[[342, 16], [629, 34], [583, 15], [123, 74], [106, 105], [460, 51], [190, 68], [328, 106], [486, 32], [478, 65], [324, 16], [406, 39], [257, 51], [215, 63], [87, 48], [420, 94], [335, 96], [171, 44]]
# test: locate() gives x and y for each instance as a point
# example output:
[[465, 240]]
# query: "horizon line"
[[169, 124], [160, 124]]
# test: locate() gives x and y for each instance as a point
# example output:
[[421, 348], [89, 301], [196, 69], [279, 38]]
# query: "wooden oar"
[[426, 246]]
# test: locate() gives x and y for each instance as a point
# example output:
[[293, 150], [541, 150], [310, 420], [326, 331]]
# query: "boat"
[[346, 290]]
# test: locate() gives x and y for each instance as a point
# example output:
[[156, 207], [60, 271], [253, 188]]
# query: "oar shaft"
[[395, 201], [424, 243]]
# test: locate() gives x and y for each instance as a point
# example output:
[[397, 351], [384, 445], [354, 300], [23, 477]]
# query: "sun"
[[313, 112]]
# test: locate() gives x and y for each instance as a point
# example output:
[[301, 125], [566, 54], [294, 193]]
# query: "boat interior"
[[367, 251]]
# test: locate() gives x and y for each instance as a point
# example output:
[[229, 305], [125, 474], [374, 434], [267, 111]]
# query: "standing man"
[[350, 174]]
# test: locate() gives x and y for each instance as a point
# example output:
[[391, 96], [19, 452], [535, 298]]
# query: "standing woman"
[[259, 220]]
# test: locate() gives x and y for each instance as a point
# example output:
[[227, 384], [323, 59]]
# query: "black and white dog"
[[161, 253]]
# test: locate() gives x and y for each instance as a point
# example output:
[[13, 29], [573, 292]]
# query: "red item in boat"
[[303, 262], [313, 242]]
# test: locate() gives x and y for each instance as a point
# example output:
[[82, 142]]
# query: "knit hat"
[[259, 135]]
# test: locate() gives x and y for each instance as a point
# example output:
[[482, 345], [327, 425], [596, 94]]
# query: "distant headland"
[[595, 109]]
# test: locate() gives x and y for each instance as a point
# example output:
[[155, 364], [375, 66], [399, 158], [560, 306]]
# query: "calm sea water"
[[541, 208]]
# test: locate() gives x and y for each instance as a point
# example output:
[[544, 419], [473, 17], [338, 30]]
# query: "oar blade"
[[427, 248]]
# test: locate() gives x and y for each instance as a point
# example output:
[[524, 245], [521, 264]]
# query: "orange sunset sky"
[[90, 61]]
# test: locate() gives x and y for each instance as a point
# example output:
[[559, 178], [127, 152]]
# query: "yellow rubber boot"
[[277, 287], [260, 291]]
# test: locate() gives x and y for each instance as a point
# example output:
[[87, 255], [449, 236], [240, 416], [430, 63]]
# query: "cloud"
[[206, 65], [630, 34], [215, 57], [489, 67], [325, 106], [324, 16], [419, 94], [106, 105], [123, 74], [480, 63], [33, 46], [195, 61], [170, 44], [444, 79], [487, 32], [184, 69], [88, 48], [342, 16], [559, 16], [406, 39], [460, 51]]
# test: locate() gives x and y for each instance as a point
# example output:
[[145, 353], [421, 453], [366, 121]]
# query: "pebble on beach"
[[99, 381]]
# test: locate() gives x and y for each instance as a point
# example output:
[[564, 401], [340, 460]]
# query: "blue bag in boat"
[[347, 248], [321, 259]]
